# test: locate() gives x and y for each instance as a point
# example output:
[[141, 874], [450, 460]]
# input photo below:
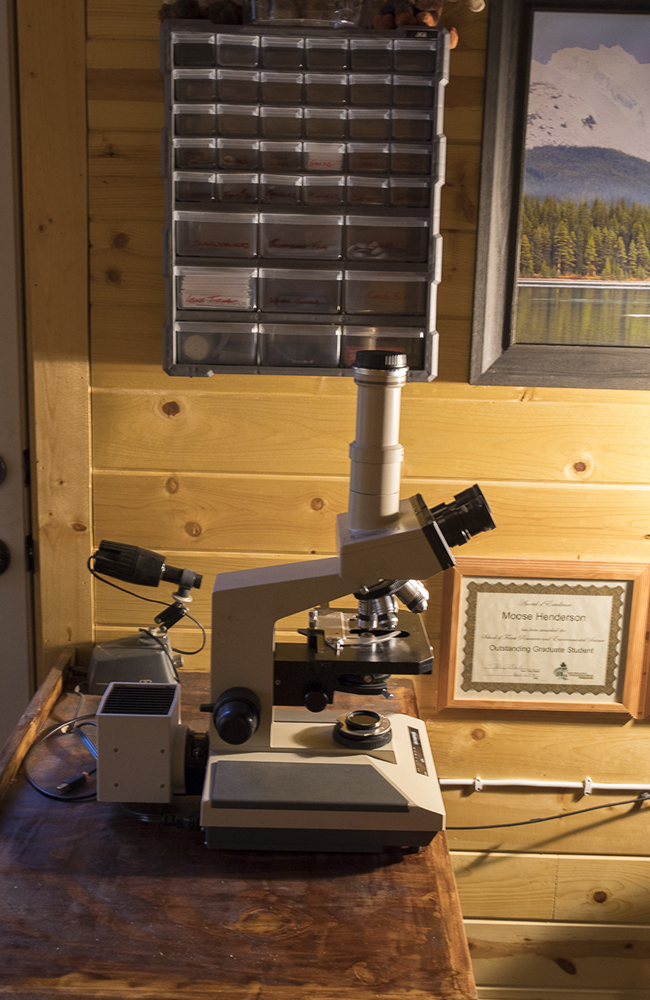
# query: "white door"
[[15, 606]]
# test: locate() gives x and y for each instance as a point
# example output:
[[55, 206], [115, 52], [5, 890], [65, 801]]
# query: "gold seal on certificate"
[[561, 636]]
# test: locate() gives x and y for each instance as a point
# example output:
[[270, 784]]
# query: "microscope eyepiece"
[[467, 515]]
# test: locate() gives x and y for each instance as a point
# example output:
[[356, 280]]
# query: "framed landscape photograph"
[[562, 285], [553, 636]]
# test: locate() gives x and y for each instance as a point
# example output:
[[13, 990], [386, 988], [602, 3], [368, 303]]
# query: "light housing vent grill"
[[139, 699]]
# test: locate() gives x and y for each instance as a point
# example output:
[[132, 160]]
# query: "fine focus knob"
[[315, 700], [236, 715]]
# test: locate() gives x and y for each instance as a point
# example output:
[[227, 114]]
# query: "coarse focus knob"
[[236, 715]]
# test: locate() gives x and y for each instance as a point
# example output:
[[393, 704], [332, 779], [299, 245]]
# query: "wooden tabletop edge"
[[32, 721]]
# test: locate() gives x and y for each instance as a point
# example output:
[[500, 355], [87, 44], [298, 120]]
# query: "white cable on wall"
[[587, 786]]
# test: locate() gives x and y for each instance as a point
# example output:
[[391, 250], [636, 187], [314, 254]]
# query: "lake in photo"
[[583, 313]]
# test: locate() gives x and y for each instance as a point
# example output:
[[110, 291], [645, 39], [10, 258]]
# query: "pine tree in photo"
[[590, 256], [526, 267], [541, 247], [564, 250], [598, 240]]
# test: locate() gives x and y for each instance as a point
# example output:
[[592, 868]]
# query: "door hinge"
[[29, 553]]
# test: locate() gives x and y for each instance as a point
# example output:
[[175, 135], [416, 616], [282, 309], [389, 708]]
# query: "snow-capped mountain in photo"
[[584, 97]]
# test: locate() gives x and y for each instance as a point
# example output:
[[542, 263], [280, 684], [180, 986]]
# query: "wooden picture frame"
[[622, 655], [495, 357]]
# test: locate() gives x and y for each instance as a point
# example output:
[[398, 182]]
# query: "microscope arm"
[[246, 606]]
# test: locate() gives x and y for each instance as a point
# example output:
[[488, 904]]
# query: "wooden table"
[[95, 904]]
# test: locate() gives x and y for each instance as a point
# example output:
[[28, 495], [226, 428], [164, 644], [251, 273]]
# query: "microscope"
[[283, 771]]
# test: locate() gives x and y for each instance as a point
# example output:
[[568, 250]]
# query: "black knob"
[[315, 700], [236, 715], [197, 750], [380, 360], [5, 557]]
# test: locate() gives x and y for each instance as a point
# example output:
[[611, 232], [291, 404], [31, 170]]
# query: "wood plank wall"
[[237, 471]]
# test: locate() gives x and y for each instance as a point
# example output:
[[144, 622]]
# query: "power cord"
[[644, 797], [78, 780], [187, 822]]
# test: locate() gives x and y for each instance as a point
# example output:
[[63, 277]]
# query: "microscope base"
[[330, 842], [326, 799]]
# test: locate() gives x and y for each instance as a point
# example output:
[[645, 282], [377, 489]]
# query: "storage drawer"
[[201, 153], [216, 234], [194, 186], [282, 53], [369, 238], [215, 343], [238, 50], [314, 236], [410, 159], [326, 88], [280, 189], [193, 51], [323, 190], [409, 192], [411, 124], [195, 85], [288, 291], [238, 154], [281, 123], [232, 288], [281, 156], [368, 157], [281, 88], [413, 55], [234, 85], [195, 119], [413, 91], [304, 345], [366, 123], [366, 190], [239, 120], [324, 123], [323, 157], [238, 189], [326, 53], [371, 54], [368, 89], [389, 292]]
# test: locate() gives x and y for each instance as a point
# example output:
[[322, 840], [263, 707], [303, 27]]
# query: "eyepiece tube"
[[376, 454]]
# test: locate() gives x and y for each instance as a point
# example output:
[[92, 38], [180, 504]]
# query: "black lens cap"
[[380, 360]]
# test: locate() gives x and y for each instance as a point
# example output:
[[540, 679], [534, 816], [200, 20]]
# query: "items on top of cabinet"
[[303, 171]]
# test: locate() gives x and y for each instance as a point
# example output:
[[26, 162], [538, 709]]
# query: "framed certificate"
[[561, 636]]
